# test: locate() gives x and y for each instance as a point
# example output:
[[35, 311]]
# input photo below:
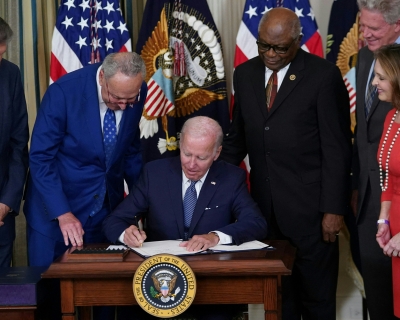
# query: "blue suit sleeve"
[[47, 136]]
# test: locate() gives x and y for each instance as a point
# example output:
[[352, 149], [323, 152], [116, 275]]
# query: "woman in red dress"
[[387, 81]]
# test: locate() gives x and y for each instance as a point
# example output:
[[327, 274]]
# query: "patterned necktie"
[[369, 97], [109, 141], [189, 203], [109, 134], [271, 89]]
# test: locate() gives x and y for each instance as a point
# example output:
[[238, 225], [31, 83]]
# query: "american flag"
[[85, 32], [246, 47]]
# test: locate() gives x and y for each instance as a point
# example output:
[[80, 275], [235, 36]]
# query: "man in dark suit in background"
[[299, 150], [380, 25], [224, 211], [14, 135]]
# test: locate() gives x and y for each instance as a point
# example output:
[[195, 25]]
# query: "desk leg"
[[85, 313], [272, 298], [67, 299]]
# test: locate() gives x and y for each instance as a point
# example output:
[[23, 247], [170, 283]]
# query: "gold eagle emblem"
[[168, 95]]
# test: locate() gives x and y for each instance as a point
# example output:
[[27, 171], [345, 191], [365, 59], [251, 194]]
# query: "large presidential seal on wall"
[[164, 285]]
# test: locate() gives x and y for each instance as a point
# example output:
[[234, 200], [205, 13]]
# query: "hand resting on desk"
[[201, 242], [71, 229]]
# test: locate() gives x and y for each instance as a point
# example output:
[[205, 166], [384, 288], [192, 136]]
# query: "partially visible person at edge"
[[387, 81], [14, 136], [85, 142], [380, 25], [299, 149]]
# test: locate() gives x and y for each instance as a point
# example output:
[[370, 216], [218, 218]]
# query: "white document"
[[168, 246], [251, 245], [172, 247]]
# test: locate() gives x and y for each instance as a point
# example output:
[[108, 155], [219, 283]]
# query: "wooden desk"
[[17, 312], [223, 278]]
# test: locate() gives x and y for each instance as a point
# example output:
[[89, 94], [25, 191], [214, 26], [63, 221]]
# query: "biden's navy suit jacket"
[[223, 204]]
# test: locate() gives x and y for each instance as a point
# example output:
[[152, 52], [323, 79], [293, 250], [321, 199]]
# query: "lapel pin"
[[292, 77], [212, 182]]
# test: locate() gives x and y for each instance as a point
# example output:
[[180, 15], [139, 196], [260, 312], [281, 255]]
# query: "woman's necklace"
[[384, 184]]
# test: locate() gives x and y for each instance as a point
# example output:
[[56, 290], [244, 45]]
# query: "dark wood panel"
[[17, 313], [257, 262]]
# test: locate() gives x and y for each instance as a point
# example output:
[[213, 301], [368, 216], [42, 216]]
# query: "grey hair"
[[295, 27], [390, 9], [127, 63], [202, 126], [5, 31]]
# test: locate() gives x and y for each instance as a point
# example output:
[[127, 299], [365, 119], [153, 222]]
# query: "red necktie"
[[271, 89]]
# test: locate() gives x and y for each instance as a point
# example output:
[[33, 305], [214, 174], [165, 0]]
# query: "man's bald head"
[[282, 18], [279, 38]]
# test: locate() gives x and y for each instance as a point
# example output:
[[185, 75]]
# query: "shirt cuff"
[[223, 237], [121, 237]]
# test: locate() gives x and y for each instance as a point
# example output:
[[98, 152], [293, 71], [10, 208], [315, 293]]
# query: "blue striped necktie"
[[189, 203], [109, 133], [109, 141], [369, 97]]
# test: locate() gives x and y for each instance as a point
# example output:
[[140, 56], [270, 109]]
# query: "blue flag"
[[343, 18], [182, 50], [343, 44]]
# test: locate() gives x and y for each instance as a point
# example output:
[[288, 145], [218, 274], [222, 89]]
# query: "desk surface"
[[257, 263], [257, 274]]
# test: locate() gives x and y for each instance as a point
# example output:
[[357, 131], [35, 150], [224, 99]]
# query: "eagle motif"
[[178, 96], [164, 283]]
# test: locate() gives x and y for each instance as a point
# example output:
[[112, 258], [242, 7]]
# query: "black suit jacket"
[[367, 136], [14, 135], [299, 152], [223, 204]]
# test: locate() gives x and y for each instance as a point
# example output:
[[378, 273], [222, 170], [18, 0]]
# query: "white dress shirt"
[[281, 75], [223, 238]]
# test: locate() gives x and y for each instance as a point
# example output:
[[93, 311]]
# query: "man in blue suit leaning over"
[[85, 142], [221, 210]]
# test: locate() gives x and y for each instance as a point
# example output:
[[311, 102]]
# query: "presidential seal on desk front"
[[164, 285]]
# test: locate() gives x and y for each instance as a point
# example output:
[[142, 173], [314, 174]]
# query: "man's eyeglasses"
[[112, 98], [264, 47]]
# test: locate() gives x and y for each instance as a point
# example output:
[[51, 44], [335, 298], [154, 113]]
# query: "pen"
[[139, 228]]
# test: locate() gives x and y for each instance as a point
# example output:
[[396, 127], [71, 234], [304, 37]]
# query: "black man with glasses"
[[291, 117]]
